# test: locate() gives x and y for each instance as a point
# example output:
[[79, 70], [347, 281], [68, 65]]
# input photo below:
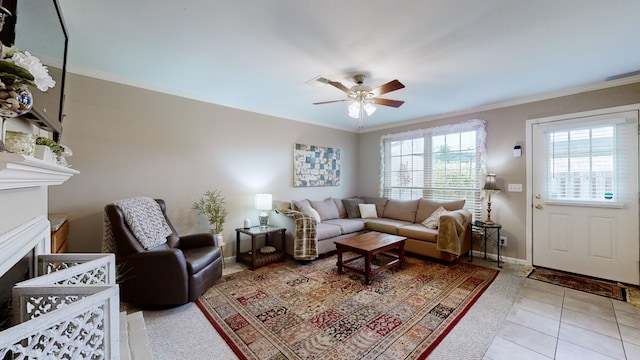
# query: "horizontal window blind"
[[582, 162], [441, 163]]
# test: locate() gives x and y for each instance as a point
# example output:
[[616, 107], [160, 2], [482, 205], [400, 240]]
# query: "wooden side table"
[[489, 232], [59, 232], [255, 258]]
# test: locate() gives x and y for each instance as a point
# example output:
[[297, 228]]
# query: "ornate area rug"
[[588, 284], [293, 311]]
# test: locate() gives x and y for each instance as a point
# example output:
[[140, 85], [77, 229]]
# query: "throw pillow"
[[368, 210], [351, 205], [326, 208], [313, 213], [304, 206], [432, 221]]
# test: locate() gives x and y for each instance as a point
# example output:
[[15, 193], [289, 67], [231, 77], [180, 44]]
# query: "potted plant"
[[211, 205], [55, 147]]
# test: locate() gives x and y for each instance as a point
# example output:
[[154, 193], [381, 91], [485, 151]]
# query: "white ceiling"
[[257, 55]]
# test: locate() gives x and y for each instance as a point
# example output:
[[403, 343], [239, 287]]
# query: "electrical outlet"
[[503, 241]]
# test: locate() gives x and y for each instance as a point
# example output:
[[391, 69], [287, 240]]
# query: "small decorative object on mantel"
[[17, 70], [21, 143], [55, 148]]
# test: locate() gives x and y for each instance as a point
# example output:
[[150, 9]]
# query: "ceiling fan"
[[362, 97]]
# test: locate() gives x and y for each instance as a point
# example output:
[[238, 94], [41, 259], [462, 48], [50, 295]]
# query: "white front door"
[[585, 196]]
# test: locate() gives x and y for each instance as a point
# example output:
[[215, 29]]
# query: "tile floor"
[[553, 322]]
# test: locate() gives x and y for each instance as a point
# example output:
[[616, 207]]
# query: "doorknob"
[[538, 206], [538, 196]]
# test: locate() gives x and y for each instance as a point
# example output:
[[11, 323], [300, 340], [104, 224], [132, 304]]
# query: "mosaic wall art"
[[315, 166]]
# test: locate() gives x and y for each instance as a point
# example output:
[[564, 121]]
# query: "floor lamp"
[[490, 187]]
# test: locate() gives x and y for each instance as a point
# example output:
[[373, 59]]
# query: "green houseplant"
[[212, 206], [55, 148]]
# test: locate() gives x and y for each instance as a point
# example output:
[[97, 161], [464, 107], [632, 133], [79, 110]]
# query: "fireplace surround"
[[24, 226]]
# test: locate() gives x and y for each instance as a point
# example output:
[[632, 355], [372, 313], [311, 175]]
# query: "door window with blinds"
[[582, 162], [441, 163]]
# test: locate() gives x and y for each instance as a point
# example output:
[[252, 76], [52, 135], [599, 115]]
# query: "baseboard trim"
[[493, 257]]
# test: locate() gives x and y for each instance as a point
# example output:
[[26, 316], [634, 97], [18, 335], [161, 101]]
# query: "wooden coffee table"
[[367, 245]]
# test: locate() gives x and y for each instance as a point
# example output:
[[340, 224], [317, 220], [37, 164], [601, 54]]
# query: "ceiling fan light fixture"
[[370, 108], [362, 98], [354, 109]]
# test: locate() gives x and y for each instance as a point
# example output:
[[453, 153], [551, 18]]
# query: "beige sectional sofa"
[[342, 218]]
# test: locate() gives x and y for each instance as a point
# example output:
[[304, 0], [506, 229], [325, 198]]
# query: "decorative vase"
[[21, 143], [15, 100]]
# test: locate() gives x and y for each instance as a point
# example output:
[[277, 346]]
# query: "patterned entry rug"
[[293, 311], [588, 284]]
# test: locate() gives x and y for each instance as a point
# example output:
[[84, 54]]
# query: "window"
[[581, 164], [440, 163]]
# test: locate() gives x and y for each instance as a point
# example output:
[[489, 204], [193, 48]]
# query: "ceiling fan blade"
[[339, 86], [328, 102], [388, 102], [392, 85]]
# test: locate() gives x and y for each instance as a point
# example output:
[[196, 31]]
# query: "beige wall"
[[129, 142], [505, 129], [133, 142]]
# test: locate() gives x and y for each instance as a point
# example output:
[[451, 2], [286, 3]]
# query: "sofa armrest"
[[197, 240], [300, 240], [451, 232]]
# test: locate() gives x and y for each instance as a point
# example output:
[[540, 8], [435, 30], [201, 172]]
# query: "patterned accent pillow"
[[368, 210], [432, 221], [145, 218]]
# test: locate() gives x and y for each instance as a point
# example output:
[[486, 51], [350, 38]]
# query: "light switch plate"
[[515, 187]]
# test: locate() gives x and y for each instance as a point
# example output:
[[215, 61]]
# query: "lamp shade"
[[490, 183], [264, 201]]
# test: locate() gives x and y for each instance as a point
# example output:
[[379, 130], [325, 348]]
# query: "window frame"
[[474, 202]]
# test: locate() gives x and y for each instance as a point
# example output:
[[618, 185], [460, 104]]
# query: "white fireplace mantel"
[[28, 227], [20, 171]]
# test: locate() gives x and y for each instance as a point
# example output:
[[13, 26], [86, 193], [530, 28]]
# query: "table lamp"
[[490, 187], [264, 203]]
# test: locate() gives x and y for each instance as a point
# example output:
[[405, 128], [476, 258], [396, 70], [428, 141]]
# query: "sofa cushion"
[[384, 225], [427, 207], [304, 206], [341, 210], [348, 225], [326, 231], [326, 208], [368, 210], [418, 232], [300, 204], [380, 203], [401, 210], [352, 208], [434, 219]]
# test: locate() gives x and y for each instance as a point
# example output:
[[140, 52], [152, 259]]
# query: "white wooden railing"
[[69, 311]]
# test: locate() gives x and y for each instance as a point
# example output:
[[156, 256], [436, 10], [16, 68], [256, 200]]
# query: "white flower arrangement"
[[22, 67]]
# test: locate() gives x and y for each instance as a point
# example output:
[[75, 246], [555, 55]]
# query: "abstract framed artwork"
[[315, 166]]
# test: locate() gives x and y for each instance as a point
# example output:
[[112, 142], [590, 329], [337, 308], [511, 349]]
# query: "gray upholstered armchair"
[[169, 274]]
